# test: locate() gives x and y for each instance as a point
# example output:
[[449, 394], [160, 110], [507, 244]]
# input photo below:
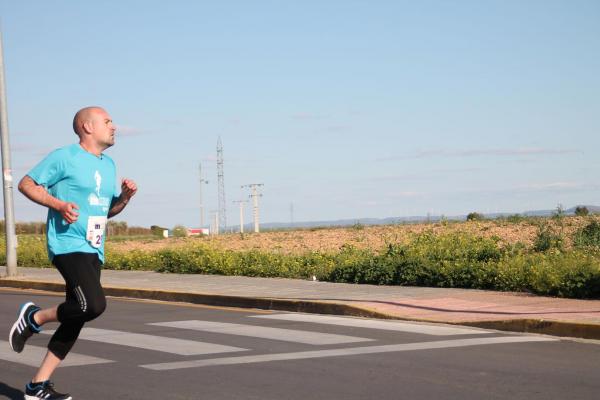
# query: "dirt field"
[[375, 237]]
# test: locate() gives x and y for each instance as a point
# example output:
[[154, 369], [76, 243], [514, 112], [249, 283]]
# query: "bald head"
[[95, 129], [85, 115]]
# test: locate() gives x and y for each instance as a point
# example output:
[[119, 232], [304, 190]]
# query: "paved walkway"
[[509, 311]]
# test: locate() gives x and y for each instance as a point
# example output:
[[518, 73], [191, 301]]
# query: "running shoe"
[[23, 327], [44, 390]]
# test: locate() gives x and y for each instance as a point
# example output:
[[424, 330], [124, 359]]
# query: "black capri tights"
[[85, 298]]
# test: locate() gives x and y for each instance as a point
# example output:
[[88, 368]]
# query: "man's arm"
[[117, 206], [128, 189], [38, 194]]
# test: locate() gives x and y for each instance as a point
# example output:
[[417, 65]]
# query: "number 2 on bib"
[[95, 231]]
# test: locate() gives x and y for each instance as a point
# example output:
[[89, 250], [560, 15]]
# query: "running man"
[[78, 185]]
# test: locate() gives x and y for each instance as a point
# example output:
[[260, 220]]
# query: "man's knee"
[[95, 308]]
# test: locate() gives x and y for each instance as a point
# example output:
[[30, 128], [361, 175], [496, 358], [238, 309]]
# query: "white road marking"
[[263, 332], [399, 326], [151, 342], [443, 344], [33, 356]]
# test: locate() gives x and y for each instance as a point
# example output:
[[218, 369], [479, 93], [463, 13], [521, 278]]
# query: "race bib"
[[95, 230]]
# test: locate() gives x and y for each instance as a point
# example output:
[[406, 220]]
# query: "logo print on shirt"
[[98, 179], [94, 199]]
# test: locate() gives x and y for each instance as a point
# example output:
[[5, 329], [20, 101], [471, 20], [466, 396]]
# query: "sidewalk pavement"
[[519, 312]]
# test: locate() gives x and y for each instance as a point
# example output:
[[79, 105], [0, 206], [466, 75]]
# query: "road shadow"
[[10, 392]]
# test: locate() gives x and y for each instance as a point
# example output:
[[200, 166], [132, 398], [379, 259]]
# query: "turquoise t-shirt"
[[72, 174]]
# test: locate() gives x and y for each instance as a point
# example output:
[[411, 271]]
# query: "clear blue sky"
[[346, 109]]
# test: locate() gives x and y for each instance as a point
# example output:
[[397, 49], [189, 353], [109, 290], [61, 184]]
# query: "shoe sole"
[[38, 398], [16, 324]]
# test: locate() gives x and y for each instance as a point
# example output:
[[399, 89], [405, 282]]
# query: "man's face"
[[103, 129]]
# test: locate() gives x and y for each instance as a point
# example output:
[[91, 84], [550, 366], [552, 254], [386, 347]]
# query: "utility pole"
[[202, 181], [221, 183], [254, 195], [7, 179], [241, 203], [292, 214], [217, 227], [214, 225]]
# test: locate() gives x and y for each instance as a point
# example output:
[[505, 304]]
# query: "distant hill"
[[407, 220], [351, 222], [569, 211]]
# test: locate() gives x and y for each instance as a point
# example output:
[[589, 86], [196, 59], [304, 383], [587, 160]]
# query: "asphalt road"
[[142, 350]]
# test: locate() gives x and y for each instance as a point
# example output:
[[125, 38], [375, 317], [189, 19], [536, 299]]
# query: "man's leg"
[[33, 318], [84, 301], [51, 361], [45, 315], [47, 368]]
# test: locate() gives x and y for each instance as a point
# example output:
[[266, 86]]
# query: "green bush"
[[450, 260], [204, 260], [581, 211], [559, 212], [454, 247], [574, 274], [547, 238], [132, 260], [179, 231], [347, 265], [589, 235], [515, 218], [475, 216], [31, 251], [357, 226]]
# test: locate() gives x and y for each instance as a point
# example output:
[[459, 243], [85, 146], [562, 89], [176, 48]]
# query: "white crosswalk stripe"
[[400, 326], [33, 355], [152, 342], [444, 344], [263, 332]]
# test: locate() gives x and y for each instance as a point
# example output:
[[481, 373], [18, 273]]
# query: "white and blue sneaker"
[[24, 327], [44, 390]]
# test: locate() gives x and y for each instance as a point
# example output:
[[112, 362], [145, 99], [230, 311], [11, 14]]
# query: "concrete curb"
[[547, 327], [542, 326]]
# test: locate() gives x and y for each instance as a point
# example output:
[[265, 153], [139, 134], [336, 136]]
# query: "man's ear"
[[87, 126]]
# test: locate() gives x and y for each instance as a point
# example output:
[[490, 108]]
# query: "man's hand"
[[128, 189], [67, 210]]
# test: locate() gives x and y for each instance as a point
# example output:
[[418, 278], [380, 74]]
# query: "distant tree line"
[[112, 228], [22, 228], [559, 212], [120, 228]]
